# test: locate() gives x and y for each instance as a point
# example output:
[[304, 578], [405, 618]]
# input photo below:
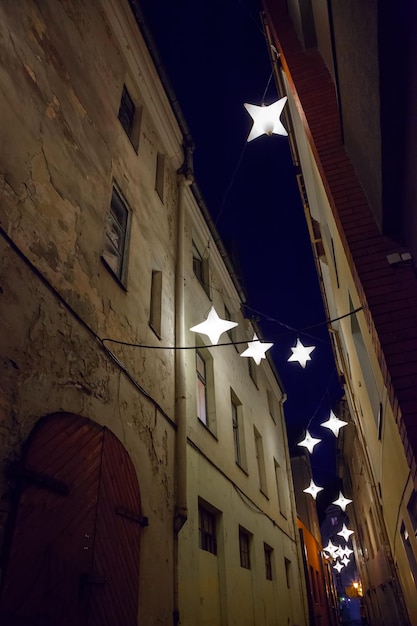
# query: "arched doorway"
[[73, 558]]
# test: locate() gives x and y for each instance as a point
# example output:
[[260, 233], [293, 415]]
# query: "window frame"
[[201, 268], [238, 431], [268, 561], [155, 303], [244, 547], [131, 126], [207, 528], [120, 252]]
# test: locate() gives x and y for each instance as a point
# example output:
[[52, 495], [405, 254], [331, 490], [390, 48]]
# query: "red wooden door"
[[74, 554]]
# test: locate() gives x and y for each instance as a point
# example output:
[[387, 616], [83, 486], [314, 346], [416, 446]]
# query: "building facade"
[[322, 597], [356, 150], [145, 474]]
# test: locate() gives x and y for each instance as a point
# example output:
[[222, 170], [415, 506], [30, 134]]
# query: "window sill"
[[207, 428], [119, 281]]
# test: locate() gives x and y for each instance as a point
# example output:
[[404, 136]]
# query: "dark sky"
[[216, 58]]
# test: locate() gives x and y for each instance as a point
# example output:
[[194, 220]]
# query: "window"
[[201, 269], [201, 388], [253, 372], [272, 405], [282, 492], [116, 236], [405, 537], [155, 309], [244, 546], [232, 331], [207, 529], [127, 111], [260, 461], [238, 433], [206, 405], [160, 175], [287, 564], [268, 561]]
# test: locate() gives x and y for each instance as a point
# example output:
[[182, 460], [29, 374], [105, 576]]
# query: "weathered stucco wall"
[[61, 78]]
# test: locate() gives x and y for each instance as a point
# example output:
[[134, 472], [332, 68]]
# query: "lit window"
[[201, 388], [116, 235], [268, 561], [207, 529], [244, 546]]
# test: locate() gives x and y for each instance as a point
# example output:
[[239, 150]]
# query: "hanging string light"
[[257, 349], [309, 442], [301, 353], [334, 424], [331, 549], [213, 326], [266, 119], [342, 501], [345, 533], [313, 489]]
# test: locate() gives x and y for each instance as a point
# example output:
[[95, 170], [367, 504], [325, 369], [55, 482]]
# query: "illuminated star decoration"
[[345, 533], [345, 560], [266, 119], [342, 501], [347, 551], [334, 424], [331, 549], [339, 566], [213, 326], [301, 353], [309, 442], [313, 489], [257, 349]]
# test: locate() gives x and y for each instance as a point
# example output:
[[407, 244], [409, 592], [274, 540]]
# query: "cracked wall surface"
[[63, 147]]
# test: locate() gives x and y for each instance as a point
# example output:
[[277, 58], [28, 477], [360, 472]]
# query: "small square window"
[[114, 252], [268, 561], [207, 529], [244, 547]]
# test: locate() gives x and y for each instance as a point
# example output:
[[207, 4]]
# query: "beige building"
[[356, 153], [145, 473]]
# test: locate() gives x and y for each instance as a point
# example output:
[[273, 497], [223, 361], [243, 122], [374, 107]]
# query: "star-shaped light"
[[345, 532], [309, 442], [339, 566], [342, 501], [213, 326], [257, 349], [334, 424], [301, 353], [331, 548], [345, 560], [346, 551], [313, 489], [266, 119]]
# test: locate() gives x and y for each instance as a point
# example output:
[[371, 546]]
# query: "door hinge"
[[140, 519]]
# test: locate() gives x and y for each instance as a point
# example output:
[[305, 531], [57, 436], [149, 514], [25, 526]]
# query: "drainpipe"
[[185, 179]]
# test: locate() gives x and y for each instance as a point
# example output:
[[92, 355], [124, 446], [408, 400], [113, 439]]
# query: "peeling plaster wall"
[[61, 78]]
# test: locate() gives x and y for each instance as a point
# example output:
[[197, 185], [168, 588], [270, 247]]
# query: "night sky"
[[215, 55]]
